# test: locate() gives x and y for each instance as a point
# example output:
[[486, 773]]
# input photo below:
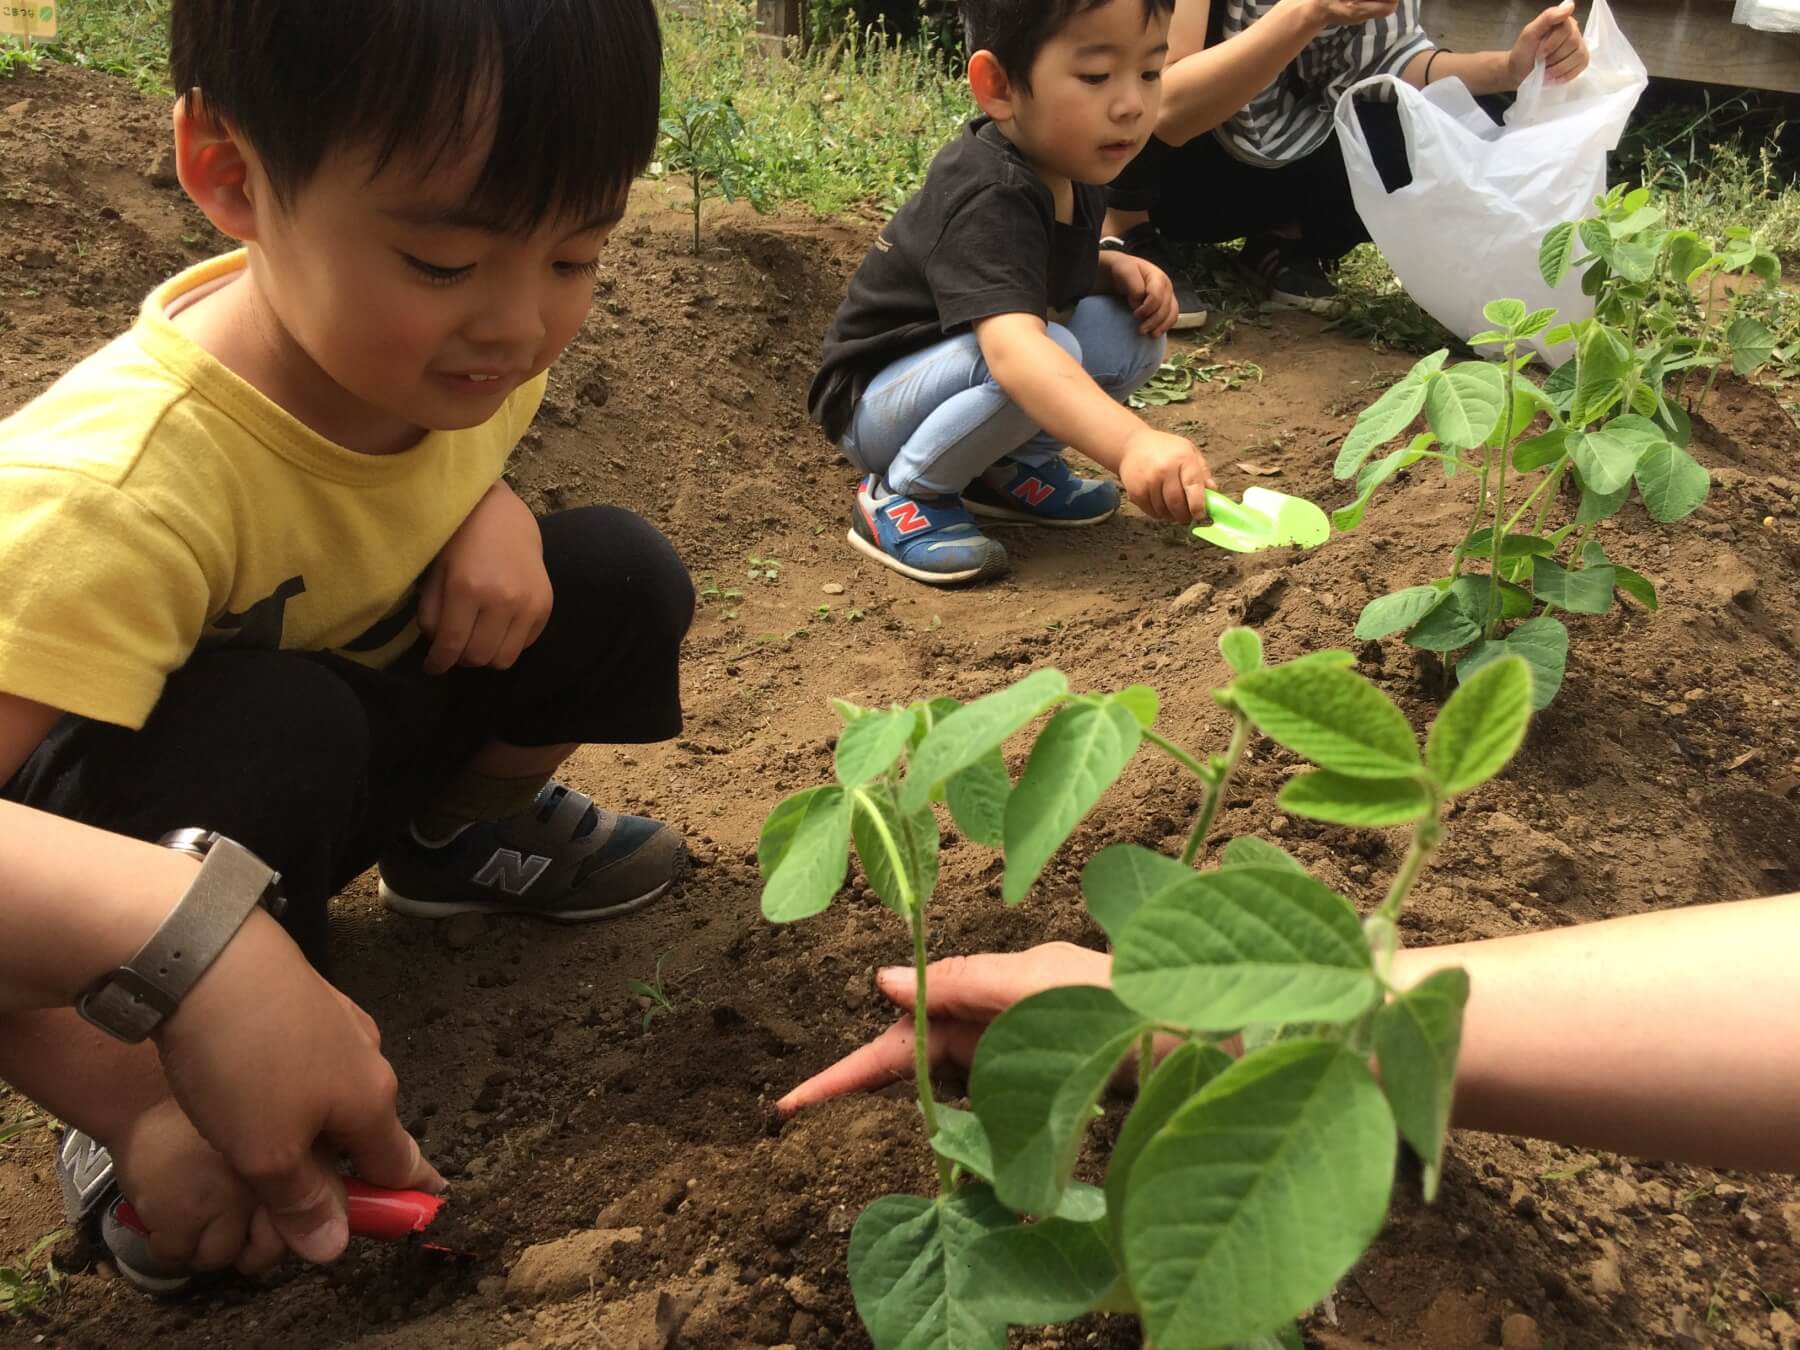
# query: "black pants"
[[315, 762], [1199, 192]]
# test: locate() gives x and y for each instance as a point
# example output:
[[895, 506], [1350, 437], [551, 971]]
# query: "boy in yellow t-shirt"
[[258, 569]]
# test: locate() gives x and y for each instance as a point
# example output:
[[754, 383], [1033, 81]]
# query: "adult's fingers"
[[979, 988], [431, 601], [886, 1059], [382, 1152], [452, 636], [1175, 497], [222, 1242], [1548, 19]]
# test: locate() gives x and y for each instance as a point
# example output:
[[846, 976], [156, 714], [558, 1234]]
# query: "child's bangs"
[[567, 91]]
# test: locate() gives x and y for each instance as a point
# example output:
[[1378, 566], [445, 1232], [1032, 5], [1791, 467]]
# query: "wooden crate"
[[1678, 39]]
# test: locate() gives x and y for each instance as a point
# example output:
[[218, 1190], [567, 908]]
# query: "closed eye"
[[590, 268], [1093, 79], [440, 276]]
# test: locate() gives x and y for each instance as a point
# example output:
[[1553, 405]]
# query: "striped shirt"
[[1292, 117]]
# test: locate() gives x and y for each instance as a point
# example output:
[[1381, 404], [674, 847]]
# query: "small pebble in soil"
[[462, 931], [832, 588]]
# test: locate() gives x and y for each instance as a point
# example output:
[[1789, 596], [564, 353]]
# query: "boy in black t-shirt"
[[985, 330]]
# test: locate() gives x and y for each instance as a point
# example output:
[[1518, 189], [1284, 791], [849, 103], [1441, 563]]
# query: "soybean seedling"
[[1604, 421], [1237, 1193], [659, 1002]]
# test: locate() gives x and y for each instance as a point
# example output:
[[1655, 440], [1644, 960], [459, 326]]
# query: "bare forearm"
[[87, 899], [1482, 72], [1205, 89], [1673, 1035], [1053, 390], [77, 1072]]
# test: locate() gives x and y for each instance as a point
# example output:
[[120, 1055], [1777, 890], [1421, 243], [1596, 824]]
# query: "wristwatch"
[[132, 1001]]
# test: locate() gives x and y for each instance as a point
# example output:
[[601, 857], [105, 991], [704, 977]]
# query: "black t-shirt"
[[980, 238]]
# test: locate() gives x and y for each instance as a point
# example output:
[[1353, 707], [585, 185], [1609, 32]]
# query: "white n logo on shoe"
[[510, 871]]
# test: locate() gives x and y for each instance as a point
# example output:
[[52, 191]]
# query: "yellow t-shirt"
[[151, 502]]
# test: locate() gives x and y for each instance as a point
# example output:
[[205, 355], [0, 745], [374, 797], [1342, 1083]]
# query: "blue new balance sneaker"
[[1050, 493], [930, 539]]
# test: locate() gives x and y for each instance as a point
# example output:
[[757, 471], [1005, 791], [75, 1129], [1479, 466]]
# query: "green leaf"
[[1515, 601], [1464, 404], [1607, 458], [1417, 1035], [911, 1276], [1448, 626], [1672, 483], [961, 1139], [1556, 253], [1751, 345], [1244, 944], [1602, 364], [1559, 385], [1535, 322], [1248, 851], [1121, 877], [1038, 1070], [868, 746], [1543, 644], [1140, 701], [927, 713], [804, 852], [1481, 726], [1388, 415], [977, 799], [1254, 1200], [1480, 544], [1076, 758], [1598, 506], [1336, 719], [1504, 313], [1374, 475], [1540, 450], [1323, 795], [1674, 420], [1634, 584], [1686, 253], [1587, 591], [1242, 649], [898, 852], [1049, 1271], [976, 728], [1183, 1072]]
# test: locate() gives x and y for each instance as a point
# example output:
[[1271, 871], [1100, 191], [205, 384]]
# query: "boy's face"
[[417, 316], [1095, 89]]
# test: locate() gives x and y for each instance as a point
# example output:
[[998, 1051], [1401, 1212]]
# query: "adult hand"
[[271, 1064], [1165, 476], [486, 596], [1553, 38], [1346, 13], [963, 994]]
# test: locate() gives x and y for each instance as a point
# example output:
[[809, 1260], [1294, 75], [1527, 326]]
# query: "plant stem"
[[1427, 834], [1506, 416], [1456, 559], [696, 181], [1175, 752], [1215, 790], [921, 1039]]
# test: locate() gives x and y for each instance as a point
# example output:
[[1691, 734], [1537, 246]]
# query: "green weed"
[[21, 1286], [654, 990], [122, 37], [16, 56]]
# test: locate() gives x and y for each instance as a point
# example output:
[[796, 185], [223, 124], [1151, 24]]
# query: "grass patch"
[[122, 37]]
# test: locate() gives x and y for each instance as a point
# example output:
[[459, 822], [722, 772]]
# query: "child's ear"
[[993, 90], [213, 168]]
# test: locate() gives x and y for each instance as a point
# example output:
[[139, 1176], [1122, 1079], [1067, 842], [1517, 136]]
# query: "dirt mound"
[[679, 1214]]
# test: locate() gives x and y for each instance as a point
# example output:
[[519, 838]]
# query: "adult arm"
[[1672, 1035], [1552, 37], [1204, 87]]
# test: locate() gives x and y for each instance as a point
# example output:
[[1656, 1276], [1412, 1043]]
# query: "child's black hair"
[[572, 86], [1015, 31]]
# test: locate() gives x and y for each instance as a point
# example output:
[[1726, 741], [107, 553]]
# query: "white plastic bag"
[[1466, 230], [1770, 16]]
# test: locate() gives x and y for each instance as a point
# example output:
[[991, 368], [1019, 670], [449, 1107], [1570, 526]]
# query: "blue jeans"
[[931, 422]]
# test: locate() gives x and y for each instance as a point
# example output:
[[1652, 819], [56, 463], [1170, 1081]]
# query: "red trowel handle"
[[375, 1211]]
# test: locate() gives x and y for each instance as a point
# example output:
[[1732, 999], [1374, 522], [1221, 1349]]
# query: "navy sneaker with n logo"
[[930, 539], [1044, 493], [564, 859]]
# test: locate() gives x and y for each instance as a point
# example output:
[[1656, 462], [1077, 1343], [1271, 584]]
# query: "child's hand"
[[1146, 288], [1555, 38], [486, 596], [1165, 476], [199, 1212]]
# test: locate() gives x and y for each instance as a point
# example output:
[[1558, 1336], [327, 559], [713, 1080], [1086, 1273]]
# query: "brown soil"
[[1664, 774]]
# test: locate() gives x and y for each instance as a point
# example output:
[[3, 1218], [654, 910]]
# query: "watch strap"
[[130, 1001]]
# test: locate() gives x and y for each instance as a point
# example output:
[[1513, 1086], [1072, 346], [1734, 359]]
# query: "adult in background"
[[1244, 145]]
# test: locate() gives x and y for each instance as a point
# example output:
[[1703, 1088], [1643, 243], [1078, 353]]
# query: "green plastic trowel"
[[1264, 519]]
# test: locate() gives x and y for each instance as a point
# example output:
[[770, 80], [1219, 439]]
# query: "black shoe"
[[1146, 241], [1295, 278], [563, 859]]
